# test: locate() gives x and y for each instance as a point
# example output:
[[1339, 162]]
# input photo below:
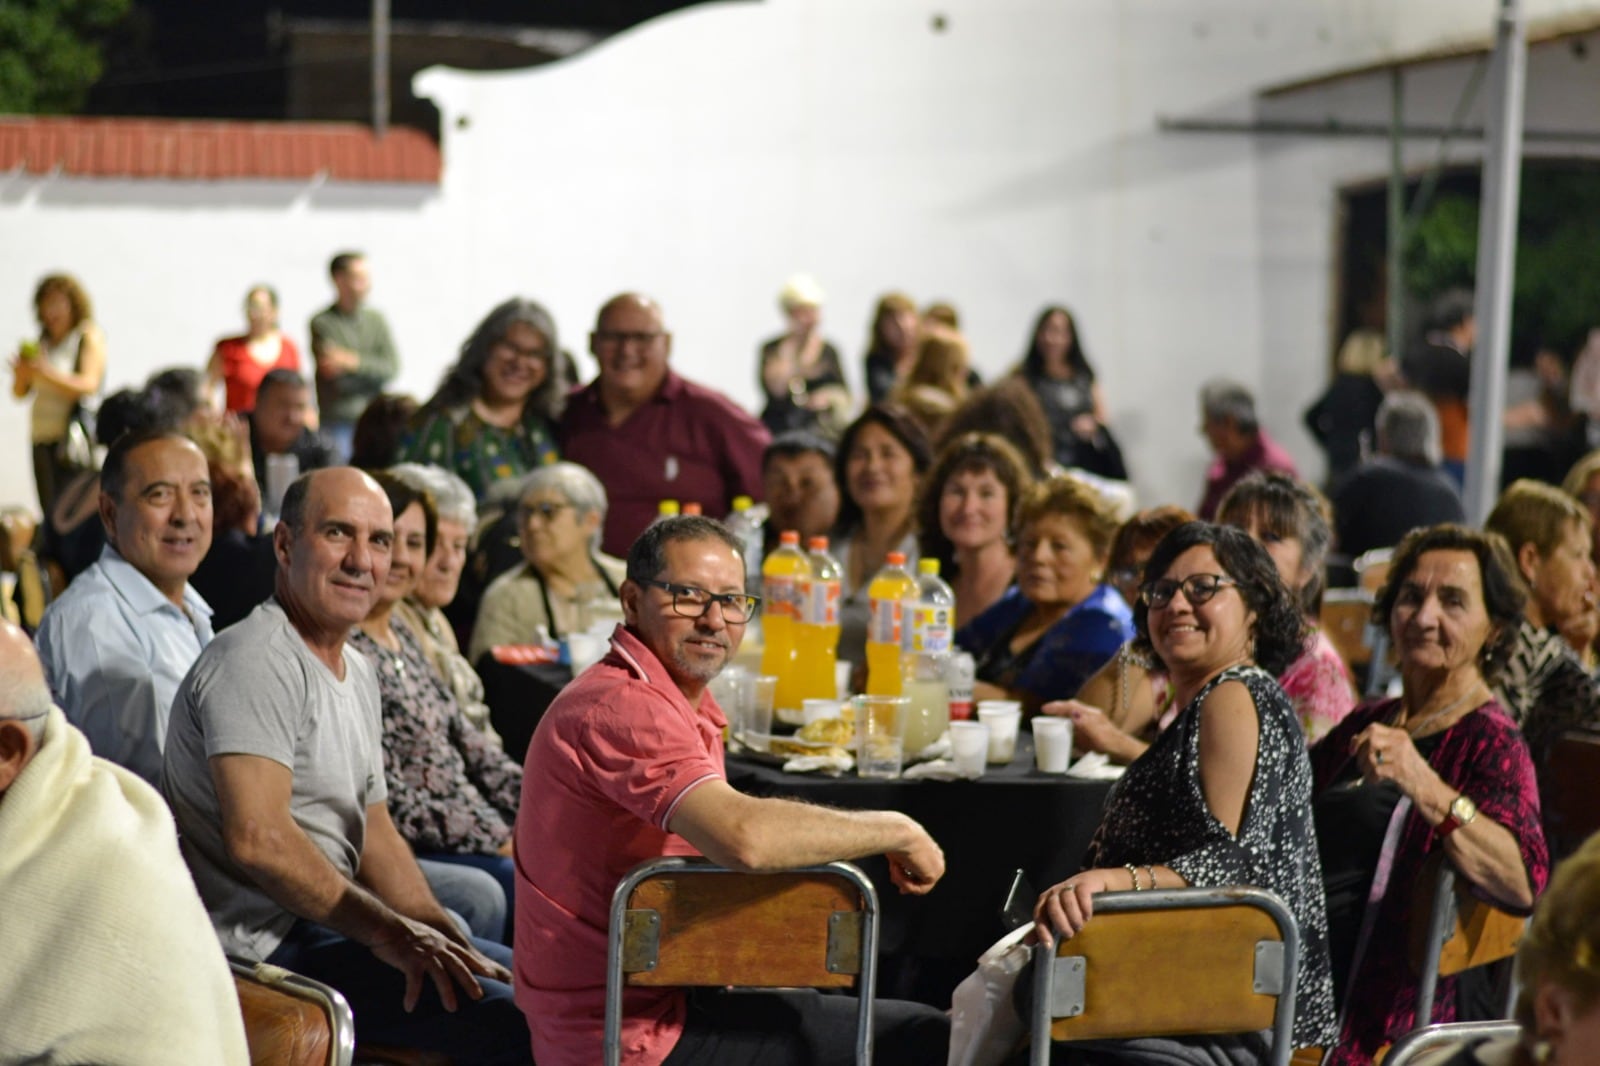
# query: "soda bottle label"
[[931, 630], [959, 671], [883, 625], [819, 603], [779, 594]]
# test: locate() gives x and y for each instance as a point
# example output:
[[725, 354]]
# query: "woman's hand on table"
[[1066, 908], [1384, 753]]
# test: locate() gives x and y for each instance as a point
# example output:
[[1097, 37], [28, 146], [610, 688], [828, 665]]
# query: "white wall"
[[1011, 160]]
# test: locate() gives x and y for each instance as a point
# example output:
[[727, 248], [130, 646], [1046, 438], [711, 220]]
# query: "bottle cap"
[[895, 558], [817, 544], [789, 536], [667, 507], [743, 503], [691, 508], [928, 566]]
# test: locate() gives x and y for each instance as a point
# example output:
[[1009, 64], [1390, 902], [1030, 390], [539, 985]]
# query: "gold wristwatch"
[[1462, 810]]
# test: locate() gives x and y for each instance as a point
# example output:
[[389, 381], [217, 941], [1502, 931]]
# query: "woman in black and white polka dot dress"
[[1223, 795]]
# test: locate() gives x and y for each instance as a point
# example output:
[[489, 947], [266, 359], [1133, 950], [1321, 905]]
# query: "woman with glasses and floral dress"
[[565, 577], [1222, 797], [493, 416]]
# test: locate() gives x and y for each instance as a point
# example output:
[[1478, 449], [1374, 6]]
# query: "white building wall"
[[1009, 160]]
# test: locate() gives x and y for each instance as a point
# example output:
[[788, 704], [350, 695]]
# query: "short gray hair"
[[580, 487], [1408, 428], [451, 495], [25, 697], [1220, 398]]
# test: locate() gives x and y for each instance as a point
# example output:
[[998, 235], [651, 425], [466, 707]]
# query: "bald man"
[[274, 769], [109, 955], [650, 435]]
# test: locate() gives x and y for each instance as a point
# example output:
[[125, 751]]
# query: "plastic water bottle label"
[[883, 625], [931, 631]]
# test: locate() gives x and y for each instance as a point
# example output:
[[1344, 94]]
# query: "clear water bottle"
[[931, 607], [747, 522]]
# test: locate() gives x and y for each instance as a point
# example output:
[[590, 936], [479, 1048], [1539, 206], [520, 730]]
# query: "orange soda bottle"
[[886, 624], [817, 638], [780, 593]]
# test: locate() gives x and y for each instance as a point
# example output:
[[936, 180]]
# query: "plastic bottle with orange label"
[[817, 638], [886, 625], [780, 610]]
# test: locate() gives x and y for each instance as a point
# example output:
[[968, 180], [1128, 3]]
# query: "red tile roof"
[[215, 151]]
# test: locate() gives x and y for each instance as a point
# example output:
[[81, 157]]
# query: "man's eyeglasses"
[[618, 338], [1197, 589], [543, 511], [690, 602]]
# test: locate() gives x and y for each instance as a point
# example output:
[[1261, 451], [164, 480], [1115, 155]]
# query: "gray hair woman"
[[565, 578], [423, 609], [493, 416]]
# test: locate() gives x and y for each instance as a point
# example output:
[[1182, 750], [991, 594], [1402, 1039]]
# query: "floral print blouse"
[[1157, 815], [482, 454], [1318, 686], [451, 789]]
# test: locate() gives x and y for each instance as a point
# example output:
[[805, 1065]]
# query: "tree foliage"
[[51, 52], [1556, 292]]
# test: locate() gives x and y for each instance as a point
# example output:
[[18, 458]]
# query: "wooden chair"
[[291, 1020], [34, 590], [1454, 930], [1573, 811], [1372, 569], [1345, 618], [680, 922], [1437, 1038], [1177, 962]]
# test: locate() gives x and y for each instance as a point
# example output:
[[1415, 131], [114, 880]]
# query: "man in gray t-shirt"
[[274, 769]]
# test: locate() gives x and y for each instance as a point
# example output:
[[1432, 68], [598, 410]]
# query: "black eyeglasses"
[[690, 602], [620, 337], [1197, 589]]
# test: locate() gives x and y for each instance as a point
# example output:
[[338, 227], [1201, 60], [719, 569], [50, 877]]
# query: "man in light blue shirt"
[[118, 642]]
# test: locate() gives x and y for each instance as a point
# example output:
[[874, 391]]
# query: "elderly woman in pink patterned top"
[[1290, 519]]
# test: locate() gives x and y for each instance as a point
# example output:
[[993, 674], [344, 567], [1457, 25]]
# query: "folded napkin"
[[805, 764], [936, 770], [1096, 767], [939, 749]]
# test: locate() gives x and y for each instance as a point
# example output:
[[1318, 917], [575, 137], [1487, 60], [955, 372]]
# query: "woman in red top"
[[241, 362]]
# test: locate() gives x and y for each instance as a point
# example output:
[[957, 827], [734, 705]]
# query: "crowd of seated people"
[[210, 635]]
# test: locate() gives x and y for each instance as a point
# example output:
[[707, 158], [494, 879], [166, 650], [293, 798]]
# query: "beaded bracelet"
[[1134, 873], [1151, 870]]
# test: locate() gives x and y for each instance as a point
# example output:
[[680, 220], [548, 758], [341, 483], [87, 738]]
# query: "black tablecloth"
[[1012, 818], [518, 696]]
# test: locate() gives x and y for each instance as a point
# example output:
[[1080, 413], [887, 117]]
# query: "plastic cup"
[[815, 710], [728, 688], [758, 711], [1002, 723], [584, 650], [1052, 744], [969, 747], [880, 743]]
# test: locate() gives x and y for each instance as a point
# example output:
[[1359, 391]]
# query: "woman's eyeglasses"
[[543, 511], [1197, 589], [691, 602]]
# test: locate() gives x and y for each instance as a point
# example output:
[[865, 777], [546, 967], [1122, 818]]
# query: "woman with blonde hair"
[[800, 371]]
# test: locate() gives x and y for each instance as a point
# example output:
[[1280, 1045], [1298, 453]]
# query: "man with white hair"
[[1239, 443], [1399, 488], [109, 955]]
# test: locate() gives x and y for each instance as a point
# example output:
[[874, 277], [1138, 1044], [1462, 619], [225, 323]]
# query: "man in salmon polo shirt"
[[627, 766]]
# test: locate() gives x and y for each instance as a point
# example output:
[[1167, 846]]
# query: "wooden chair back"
[[1573, 811], [1182, 962], [1453, 930], [1372, 569], [1345, 617], [678, 922], [291, 1020]]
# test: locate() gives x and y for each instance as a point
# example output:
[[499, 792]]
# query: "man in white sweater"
[[109, 955]]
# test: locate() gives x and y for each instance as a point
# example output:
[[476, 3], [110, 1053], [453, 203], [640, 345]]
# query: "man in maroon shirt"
[[1238, 443], [650, 435]]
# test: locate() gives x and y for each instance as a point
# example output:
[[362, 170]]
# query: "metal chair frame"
[[676, 866], [1275, 976], [341, 1020], [1419, 1042]]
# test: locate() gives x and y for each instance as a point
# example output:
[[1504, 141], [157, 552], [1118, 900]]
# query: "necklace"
[[1415, 728]]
